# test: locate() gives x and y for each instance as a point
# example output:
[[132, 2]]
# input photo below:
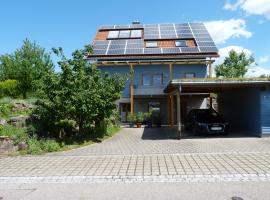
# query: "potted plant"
[[131, 119], [139, 119], [147, 118]]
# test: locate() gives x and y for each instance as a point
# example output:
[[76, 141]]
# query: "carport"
[[246, 102]]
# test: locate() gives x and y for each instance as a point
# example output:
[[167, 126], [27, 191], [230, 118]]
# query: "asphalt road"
[[128, 191]]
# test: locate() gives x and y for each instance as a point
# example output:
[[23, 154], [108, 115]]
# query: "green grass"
[[16, 134]]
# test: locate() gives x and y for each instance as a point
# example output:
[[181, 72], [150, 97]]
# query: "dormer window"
[[125, 34], [136, 34], [181, 43], [113, 34], [151, 44]]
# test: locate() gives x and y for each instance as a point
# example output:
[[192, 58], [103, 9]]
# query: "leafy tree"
[[26, 65], [80, 93], [235, 65]]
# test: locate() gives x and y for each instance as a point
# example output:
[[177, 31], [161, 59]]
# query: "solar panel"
[[136, 26], [134, 51], [205, 39], [100, 42], [118, 42], [152, 50], [180, 35], [99, 52], [206, 44], [121, 26], [153, 32], [151, 37], [117, 47], [189, 50], [209, 49], [106, 27], [171, 50], [115, 51], [168, 36], [134, 46], [100, 46], [135, 41]]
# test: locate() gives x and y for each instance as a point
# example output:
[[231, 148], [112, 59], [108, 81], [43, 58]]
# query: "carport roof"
[[215, 85]]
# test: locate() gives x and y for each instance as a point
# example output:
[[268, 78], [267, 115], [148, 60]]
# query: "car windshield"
[[207, 114]]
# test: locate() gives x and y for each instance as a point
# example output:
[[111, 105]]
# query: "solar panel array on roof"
[[154, 32]]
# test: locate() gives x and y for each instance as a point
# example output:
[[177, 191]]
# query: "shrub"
[[50, 145], [9, 88], [140, 117], [16, 134], [34, 146]]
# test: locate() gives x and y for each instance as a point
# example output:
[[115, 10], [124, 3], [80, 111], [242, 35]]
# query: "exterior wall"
[[141, 105], [122, 70], [241, 108], [265, 112], [139, 89], [180, 70]]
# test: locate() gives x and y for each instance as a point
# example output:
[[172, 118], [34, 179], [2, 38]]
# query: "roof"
[[131, 42], [199, 85]]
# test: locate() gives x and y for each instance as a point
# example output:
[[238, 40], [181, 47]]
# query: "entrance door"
[[124, 111]]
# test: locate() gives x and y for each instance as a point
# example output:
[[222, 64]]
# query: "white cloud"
[[256, 71], [222, 30], [233, 6], [264, 59], [251, 7]]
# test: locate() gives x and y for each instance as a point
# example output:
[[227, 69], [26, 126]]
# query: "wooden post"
[[131, 89], [169, 109], [178, 113], [170, 71], [172, 110], [210, 69]]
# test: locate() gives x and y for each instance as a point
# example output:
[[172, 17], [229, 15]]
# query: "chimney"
[[136, 22]]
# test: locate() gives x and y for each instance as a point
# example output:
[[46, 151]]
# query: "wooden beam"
[[178, 113], [169, 109], [172, 110], [170, 71], [210, 69], [131, 89]]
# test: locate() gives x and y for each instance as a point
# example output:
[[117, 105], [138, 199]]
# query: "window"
[[189, 75], [124, 34], [157, 79], [113, 34], [181, 43], [149, 79], [146, 79], [136, 34], [151, 44]]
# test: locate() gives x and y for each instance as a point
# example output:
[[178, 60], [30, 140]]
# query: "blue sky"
[[240, 24]]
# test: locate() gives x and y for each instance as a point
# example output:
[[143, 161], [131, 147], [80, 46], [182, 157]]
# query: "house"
[[169, 68]]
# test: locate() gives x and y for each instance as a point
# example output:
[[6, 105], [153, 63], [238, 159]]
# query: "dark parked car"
[[206, 121]]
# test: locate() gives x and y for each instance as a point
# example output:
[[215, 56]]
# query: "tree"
[[235, 65], [80, 93], [26, 65]]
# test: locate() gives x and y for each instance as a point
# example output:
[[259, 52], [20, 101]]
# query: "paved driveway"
[[162, 141], [147, 155]]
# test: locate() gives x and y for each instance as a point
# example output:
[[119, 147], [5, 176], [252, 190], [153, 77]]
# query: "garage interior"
[[245, 104]]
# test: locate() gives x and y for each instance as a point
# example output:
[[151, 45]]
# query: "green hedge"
[[9, 88]]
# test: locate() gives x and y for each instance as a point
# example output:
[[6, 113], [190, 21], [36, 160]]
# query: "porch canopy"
[[179, 87], [198, 85]]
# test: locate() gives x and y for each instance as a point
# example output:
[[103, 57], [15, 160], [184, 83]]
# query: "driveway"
[[140, 141], [146, 155]]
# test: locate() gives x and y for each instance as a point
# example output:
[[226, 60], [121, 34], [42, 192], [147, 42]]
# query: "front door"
[[124, 111]]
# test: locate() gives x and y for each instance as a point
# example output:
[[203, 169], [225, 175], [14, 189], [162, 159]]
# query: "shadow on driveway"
[[167, 133]]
